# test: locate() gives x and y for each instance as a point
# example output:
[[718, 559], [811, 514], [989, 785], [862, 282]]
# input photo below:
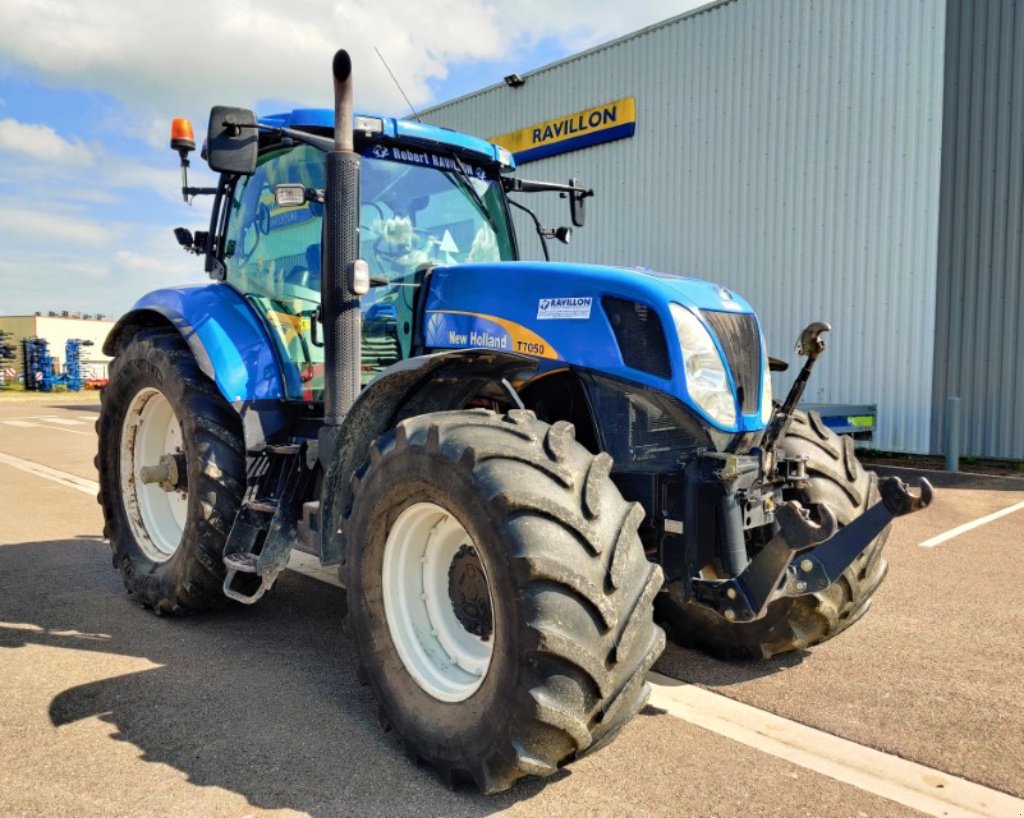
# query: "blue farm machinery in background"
[[517, 466], [41, 371]]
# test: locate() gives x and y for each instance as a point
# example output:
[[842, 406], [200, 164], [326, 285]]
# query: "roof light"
[[505, 157], [182, 137], [368, 124]]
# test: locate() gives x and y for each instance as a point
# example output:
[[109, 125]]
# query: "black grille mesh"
[[639, 334], [741, 342]]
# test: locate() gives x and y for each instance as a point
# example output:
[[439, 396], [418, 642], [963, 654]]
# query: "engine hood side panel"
[[553, 311]]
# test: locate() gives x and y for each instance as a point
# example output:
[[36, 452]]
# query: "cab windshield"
[[417, 208], [421, 208]]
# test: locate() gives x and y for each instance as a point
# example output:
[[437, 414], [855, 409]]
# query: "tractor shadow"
[[699, 668], [263, 702]]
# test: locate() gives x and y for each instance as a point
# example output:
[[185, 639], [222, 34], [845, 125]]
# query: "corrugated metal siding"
[[789, 149], [980, 308]]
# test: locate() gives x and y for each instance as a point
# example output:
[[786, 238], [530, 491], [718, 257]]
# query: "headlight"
[[766, 386], [706, 380]]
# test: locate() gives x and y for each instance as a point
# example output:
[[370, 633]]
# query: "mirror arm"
[[536, 224], [514, 184], [321, 142]]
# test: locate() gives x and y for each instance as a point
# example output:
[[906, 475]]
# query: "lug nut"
[[731, 593], [801, 586], [730, 614], [806, 566]]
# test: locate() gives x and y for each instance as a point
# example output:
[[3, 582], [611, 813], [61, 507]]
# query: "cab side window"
[[275, 252], [272, 257]]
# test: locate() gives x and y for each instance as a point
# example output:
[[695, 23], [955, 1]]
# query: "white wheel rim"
[[446, 660], [156, 517]]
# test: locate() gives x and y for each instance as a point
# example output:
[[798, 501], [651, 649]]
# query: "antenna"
[[416, 116]]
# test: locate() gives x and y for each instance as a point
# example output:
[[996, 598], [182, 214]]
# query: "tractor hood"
[[613, 320]]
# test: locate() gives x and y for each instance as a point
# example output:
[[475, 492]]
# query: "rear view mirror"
[[232, 141], [184, 237], [576, 199]]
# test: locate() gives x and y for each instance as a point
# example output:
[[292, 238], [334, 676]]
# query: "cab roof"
[[404, 131]]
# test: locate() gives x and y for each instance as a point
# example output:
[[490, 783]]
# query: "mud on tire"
[[191, 578], [571, 591], [837, 479]]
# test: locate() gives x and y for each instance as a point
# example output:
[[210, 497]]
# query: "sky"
[[89, 188]]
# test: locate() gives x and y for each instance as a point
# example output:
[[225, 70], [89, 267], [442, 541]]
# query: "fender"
[[415, 386], [225, 334]]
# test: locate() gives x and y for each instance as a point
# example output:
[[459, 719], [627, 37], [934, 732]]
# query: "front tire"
[[552, 658], [168, 544], [836, 478]]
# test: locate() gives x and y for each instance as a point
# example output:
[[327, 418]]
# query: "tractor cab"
[[428, 198]]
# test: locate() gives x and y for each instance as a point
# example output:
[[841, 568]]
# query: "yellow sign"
[[602, 123]]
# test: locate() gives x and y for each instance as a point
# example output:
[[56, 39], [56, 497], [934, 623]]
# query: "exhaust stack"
[[339, 304]]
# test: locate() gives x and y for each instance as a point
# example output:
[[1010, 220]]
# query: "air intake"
[[740, 339], [639, 334]]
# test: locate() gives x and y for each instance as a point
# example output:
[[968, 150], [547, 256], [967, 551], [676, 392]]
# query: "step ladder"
[[266, 526]]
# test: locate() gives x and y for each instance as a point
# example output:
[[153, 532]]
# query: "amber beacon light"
[[183, 139]]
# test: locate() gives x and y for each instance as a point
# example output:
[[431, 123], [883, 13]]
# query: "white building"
[[58, 329]]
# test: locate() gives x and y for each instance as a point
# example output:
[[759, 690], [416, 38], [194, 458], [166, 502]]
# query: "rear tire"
[[156, 366], [571, 619], [836, 478]]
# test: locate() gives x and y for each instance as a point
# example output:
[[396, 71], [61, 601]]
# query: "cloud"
[[154, 53], [42, 142], [81, 182], [21, 225], [176, 58], [71, 277], [129, 173]]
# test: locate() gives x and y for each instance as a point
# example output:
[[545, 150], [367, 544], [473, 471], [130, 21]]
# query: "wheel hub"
[[467, 590], [153, 474], [437, 602]]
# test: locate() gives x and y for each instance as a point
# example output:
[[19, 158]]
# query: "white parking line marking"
[[62, 421], [70, 480], [922, 788], [927, 790], [28, 424], [963, 529]]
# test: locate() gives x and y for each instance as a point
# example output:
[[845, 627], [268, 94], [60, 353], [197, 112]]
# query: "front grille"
[[644, 430], [741, 341], [638, 332]]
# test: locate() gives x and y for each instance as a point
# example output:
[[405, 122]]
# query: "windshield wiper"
[[468, 186]]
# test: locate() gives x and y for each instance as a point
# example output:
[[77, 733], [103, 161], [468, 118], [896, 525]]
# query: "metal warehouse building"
[[857, 162]]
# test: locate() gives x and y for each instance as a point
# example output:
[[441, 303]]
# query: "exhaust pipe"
[[339, 305]]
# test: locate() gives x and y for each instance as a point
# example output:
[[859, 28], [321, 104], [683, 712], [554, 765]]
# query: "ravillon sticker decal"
[[564, 308]]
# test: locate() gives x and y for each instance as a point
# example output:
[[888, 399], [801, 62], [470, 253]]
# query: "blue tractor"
[[514, 465]]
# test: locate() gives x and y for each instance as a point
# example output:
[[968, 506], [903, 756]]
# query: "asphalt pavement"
[[109, 710]]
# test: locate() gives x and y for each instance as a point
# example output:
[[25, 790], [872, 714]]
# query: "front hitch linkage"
[[813, 554]]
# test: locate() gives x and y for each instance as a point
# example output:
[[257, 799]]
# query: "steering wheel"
[[389, 256]]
